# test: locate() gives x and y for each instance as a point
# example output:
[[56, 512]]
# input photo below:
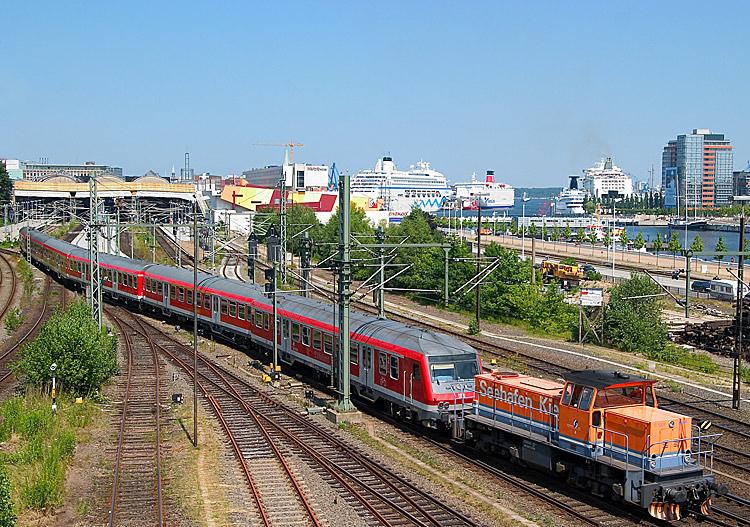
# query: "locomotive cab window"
[[587, 395], [596, 419], [444, 369], [416, 372], [623, 396]]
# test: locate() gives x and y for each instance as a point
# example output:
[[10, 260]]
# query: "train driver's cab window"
[[623, 396], [382, 363], [394, 368], [587, 395], [416, 372]]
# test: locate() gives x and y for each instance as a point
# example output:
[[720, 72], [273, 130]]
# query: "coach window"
[[159, 288], [382, 362], [354, 354], [258, 318], [266, 321], [305, 335], [295, 332], [241, 311], [199, 299], [232, 309], [172, 292], [207, 301], [368, 357], [317, 340], [190, 296], [224, 308], [394, 367], [328, 343], [180, 294]]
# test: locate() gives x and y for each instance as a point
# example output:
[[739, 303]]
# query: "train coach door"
[[368, 377]]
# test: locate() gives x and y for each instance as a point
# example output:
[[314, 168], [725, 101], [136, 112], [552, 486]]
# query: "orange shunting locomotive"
[[600, 430]]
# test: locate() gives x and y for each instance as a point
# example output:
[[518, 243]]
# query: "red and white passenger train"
[[599, 430], [421, 374]]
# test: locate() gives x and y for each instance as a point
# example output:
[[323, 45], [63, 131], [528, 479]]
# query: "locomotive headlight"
[[652, 463], [671, 424], [688, 456]]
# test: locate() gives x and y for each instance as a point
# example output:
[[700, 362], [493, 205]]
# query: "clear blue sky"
[[534, 90]]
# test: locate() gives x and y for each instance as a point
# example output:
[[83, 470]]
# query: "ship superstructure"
[[488, 193], [570, 201], [401, 191]]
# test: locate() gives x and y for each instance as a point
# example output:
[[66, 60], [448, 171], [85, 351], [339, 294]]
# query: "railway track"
[[263, 432], [11, 288], [137, 482]]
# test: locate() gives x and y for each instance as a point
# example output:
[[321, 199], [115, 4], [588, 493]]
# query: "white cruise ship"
[[570, 201], [487, 193], [401, 191]]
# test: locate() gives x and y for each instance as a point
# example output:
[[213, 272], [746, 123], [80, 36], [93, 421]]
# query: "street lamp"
[[524, 199]]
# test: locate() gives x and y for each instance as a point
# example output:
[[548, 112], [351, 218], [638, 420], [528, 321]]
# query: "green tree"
[[580, 237], [697, 244], [6, 185], [360, 227], [593, 238], [607, 241], [674, 245], [639, 243], [720, 248], [532, 230], [657, 244], [84, 353], [635, 324], [567, 232], [426, 269], [298, 219], [624, 239], [555, 233], [589, 206], [7, 513], [544, 232]]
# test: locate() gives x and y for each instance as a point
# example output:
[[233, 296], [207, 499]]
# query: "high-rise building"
[[696, 170]]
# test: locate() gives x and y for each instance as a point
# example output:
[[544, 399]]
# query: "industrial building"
[[697, 170]]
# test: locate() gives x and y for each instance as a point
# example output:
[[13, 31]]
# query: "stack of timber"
[[717, 336]]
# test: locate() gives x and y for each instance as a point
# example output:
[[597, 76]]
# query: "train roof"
[[179, 274], [603, 378]]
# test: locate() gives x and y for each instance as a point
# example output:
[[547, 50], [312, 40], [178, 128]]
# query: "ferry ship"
[[400, 191], [488, 194], [570, 201]]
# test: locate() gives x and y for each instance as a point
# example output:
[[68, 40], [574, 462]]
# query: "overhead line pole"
[[342, 358]]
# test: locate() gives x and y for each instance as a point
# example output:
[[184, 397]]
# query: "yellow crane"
[[290, 145]]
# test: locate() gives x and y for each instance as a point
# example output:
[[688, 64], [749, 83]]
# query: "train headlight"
[[688, 456], [652, 463], [671, 424]]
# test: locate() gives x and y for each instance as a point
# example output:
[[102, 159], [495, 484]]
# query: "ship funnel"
[[574, 182], [490, 177]]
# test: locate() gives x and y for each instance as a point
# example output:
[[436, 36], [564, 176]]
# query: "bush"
[[473, 327], [13, 320], [7, 514], [85, 355], [27, 276]]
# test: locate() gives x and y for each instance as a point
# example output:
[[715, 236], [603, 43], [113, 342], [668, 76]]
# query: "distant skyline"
[[534, 91]]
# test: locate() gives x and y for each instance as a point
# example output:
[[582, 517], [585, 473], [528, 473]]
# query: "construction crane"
[[290, 145]]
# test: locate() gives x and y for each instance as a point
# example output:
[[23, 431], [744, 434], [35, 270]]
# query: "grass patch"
[[37, 446], [13, 320], [745, 374], [64, 229], [690, 360], [673, 386], [145, 247]]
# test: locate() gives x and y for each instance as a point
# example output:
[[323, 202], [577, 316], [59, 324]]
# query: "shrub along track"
[[279, 437], [137, 482]]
